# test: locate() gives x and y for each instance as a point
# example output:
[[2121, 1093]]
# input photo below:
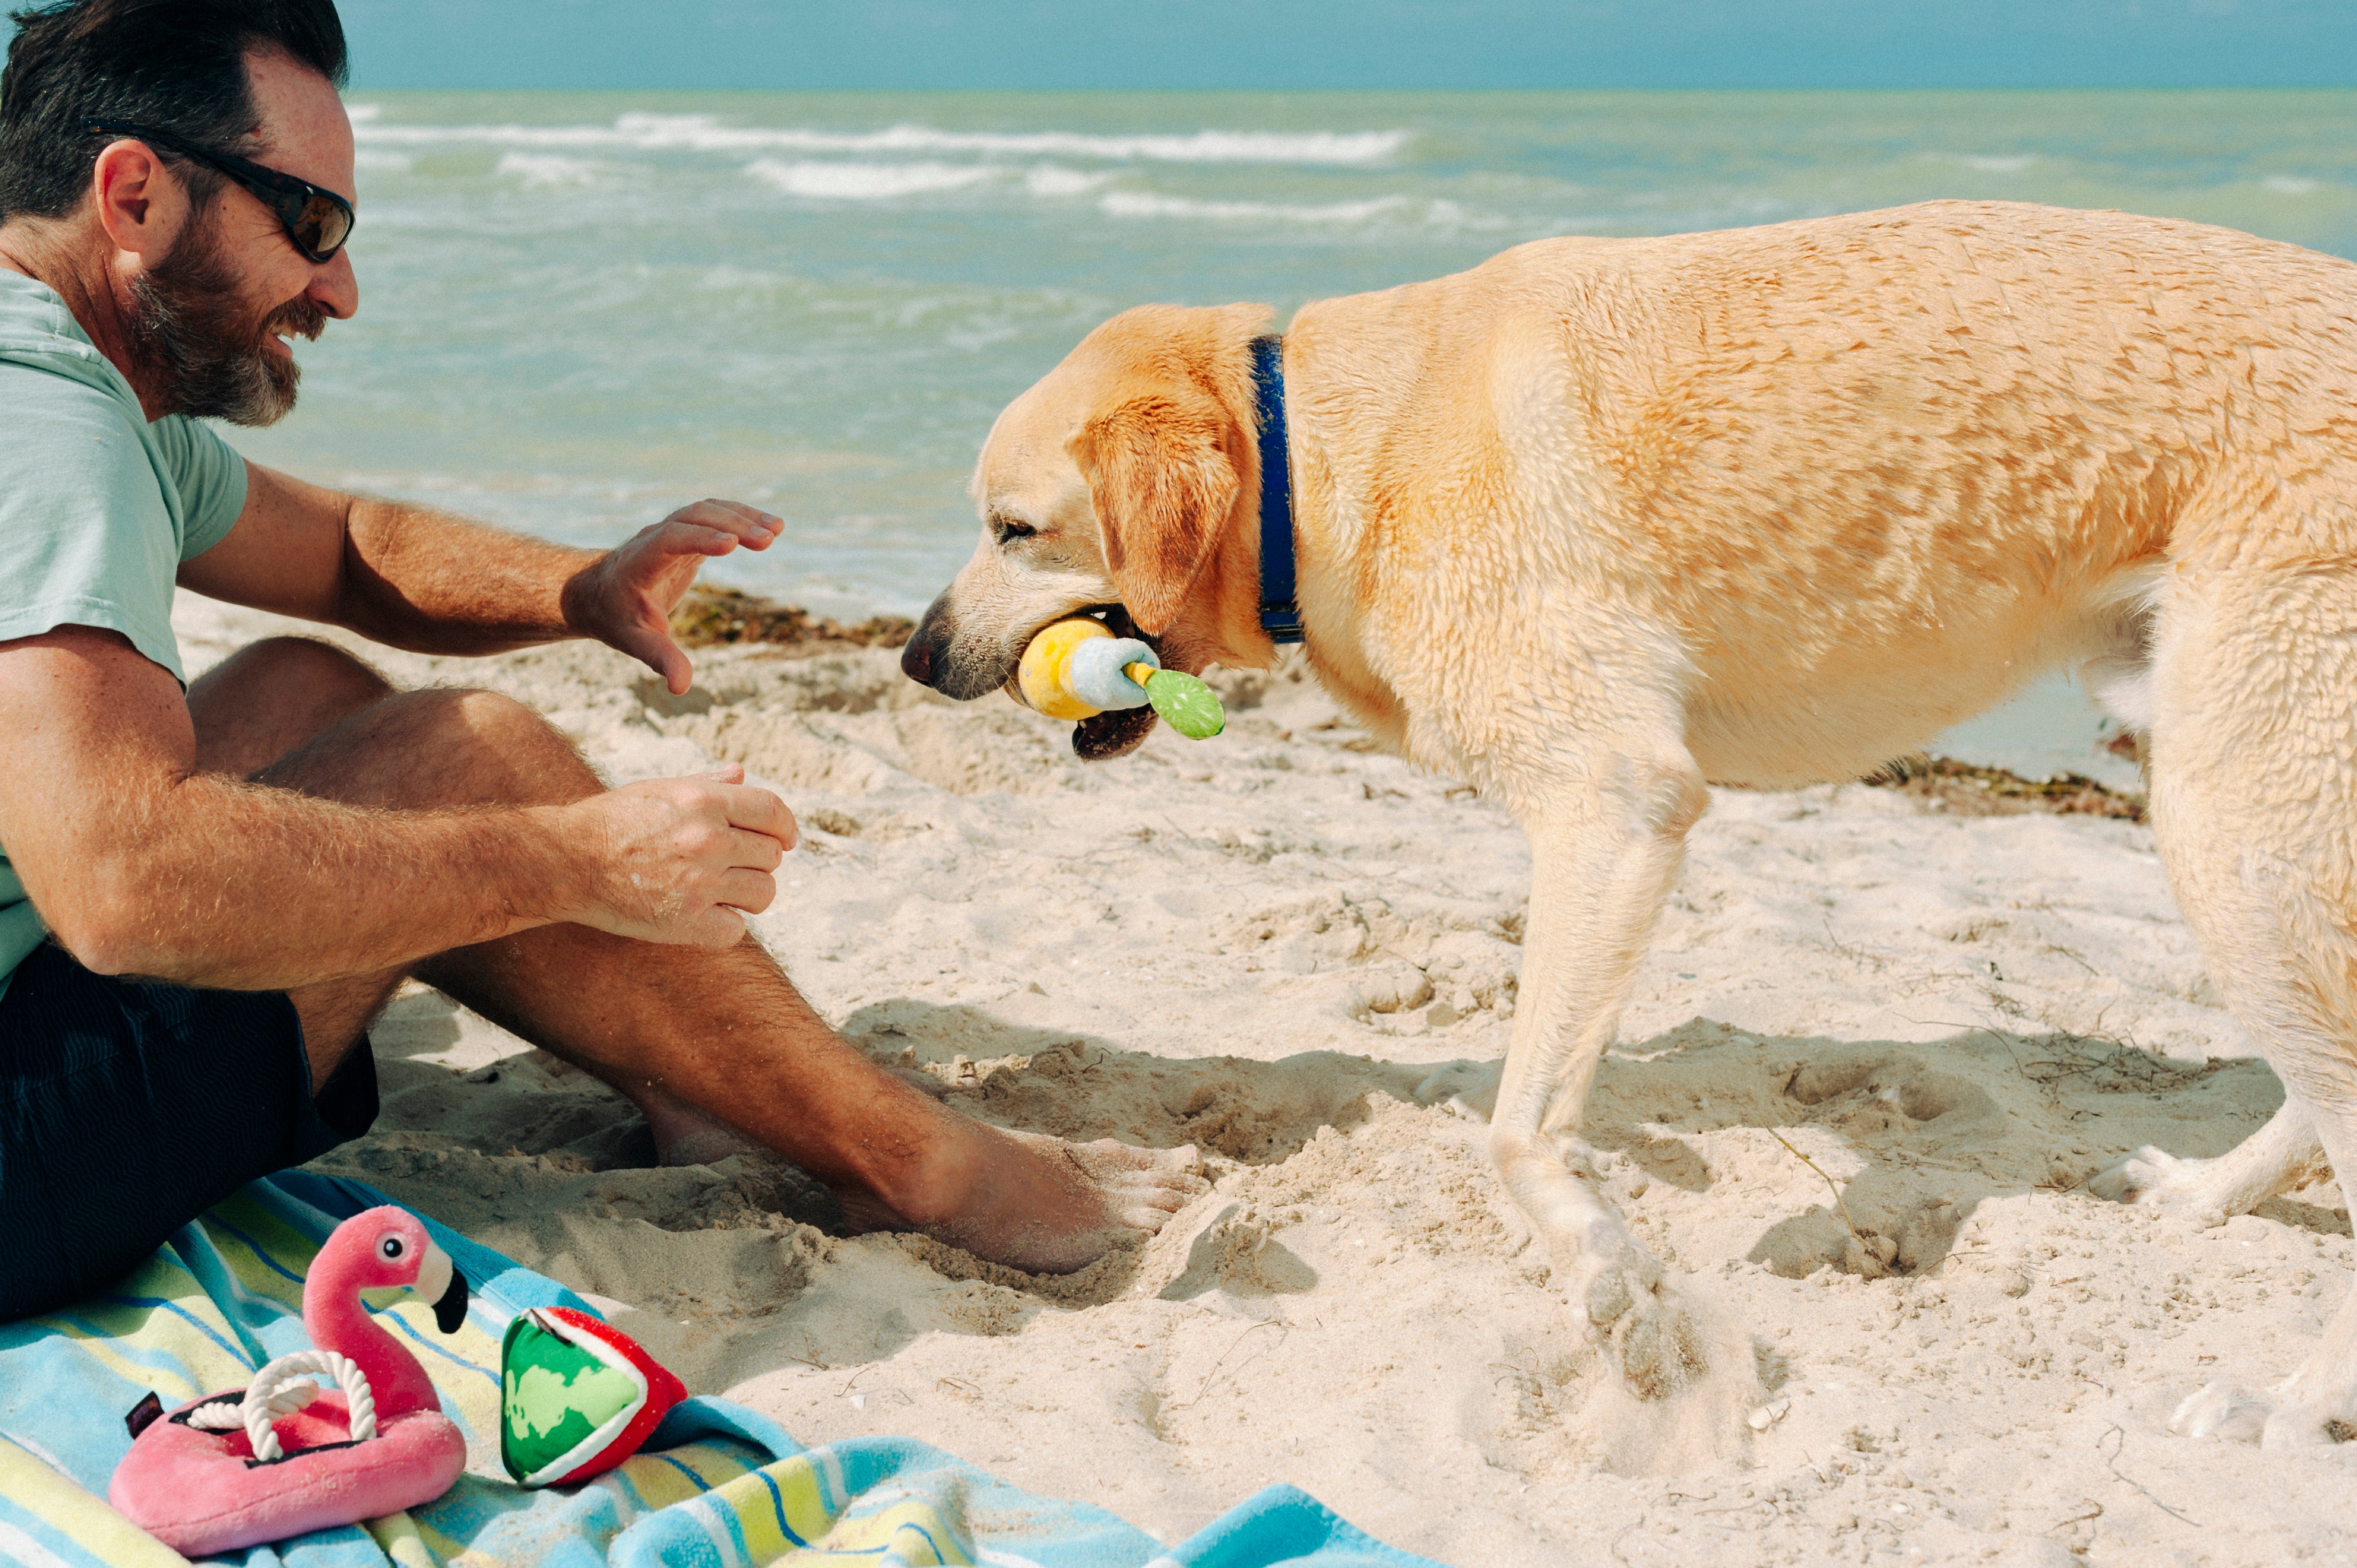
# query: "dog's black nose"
[[936, 629]]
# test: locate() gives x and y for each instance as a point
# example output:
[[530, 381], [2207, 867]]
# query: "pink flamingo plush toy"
[[281, 1457]]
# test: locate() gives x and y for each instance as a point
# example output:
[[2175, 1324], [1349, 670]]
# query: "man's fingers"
[[680, 537], [751, 891], [757, 851], [760, 811], [736, 522], [718, 926], [658, 652], [671, 662], [728, 773], [766, 524]]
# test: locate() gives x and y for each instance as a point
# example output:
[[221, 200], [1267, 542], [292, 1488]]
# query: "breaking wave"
[[865, 182], [1148, 204], [705, 132]]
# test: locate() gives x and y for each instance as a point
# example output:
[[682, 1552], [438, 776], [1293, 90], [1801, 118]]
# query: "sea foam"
[[1152, 204], [705, 132], [863, 182], [546, 169]]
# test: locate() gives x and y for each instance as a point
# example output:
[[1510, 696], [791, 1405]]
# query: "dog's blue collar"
[[1280, 616]]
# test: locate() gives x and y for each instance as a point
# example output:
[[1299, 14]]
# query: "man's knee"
[[275, 696], [275, 665], [491, 750]]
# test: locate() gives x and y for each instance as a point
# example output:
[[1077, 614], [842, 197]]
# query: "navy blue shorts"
[[128, 1108]]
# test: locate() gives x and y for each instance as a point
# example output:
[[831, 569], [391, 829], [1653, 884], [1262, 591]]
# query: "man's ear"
[[140, 206], [1162, 481]]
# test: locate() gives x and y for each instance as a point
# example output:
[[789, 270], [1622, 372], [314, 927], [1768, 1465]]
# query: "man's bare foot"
[[1024, 1199], [1033, 1202]]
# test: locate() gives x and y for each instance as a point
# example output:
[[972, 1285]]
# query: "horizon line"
[[1332, 91]]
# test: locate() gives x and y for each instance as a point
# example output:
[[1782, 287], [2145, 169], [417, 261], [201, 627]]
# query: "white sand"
[[1263, 944]]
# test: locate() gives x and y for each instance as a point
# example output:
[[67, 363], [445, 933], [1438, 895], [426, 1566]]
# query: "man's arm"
[[412, 577], [141, 866]]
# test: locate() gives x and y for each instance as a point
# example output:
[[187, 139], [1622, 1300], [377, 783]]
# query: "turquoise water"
[[579, 310]]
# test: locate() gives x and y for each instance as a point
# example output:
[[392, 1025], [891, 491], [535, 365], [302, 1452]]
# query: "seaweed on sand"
[[714, 616], [1961, 788]]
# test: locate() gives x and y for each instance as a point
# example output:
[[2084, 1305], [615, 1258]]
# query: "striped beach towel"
[[717, 1485]]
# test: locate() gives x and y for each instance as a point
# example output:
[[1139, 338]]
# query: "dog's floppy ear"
[[1163, 481]]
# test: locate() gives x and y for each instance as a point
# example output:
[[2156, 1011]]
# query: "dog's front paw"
[[2280, 1418], [2158, 1179], [1464, 1089], [2224, 1410], [1650, 1332]]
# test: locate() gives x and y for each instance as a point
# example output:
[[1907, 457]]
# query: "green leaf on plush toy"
[[1186, 705]]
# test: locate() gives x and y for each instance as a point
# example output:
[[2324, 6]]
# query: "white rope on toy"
[[228, 1415], [280, 1389]]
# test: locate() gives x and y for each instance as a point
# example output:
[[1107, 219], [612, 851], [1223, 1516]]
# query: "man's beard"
[[202, 351]]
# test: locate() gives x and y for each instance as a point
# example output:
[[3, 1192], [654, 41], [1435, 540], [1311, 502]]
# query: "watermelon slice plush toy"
[[577, 1398]]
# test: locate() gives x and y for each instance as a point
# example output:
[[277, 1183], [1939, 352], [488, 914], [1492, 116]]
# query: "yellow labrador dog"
[[1601, 521]]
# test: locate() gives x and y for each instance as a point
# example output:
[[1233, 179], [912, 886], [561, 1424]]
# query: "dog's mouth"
[[1116, 620]]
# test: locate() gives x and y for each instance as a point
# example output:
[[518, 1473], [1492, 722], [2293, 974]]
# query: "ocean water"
[[579, 310]]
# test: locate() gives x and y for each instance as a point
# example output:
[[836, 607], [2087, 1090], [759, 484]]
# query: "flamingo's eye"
[[393, 1248]]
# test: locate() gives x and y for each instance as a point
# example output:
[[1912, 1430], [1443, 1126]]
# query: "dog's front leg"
[[1604, 852]]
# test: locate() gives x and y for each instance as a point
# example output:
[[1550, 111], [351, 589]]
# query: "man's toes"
[[1146, 1217], [1183, 1164], [1169, 1200]]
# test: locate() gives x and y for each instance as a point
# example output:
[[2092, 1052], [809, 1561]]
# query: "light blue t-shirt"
[[97, 508]]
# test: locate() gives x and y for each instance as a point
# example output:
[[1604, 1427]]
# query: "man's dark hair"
[[171, 65]]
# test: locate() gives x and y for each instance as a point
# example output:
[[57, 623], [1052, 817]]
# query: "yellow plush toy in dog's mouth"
[[1078, 669]]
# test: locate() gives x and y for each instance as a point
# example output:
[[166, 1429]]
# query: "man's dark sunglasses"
[[318, 221]]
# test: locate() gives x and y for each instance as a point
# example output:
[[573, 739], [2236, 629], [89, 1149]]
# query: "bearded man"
[[273, 849]]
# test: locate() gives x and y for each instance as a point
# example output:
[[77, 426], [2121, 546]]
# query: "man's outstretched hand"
[[677, 860], [625, 600]]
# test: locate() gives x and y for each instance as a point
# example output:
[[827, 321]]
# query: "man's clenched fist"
[[679, 860]]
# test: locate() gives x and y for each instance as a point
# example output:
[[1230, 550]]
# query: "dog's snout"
[[916, 661], [920, 660]]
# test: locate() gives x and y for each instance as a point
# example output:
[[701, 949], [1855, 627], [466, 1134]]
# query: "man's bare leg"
[[274, 696], [251, 709], [724, 1034]]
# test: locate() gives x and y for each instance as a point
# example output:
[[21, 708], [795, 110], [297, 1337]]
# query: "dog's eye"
[[1004, 529]]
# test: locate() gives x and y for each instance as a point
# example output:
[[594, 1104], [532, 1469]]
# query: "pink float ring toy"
[[280, 1457]]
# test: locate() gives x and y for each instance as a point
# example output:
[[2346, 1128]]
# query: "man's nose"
[[335, 287]]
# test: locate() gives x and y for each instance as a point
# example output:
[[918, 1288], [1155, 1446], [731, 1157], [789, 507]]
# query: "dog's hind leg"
[[2254, 804], [2277, 1157], [1606, 843]]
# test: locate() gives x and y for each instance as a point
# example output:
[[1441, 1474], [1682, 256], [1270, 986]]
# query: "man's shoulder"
[[39, 334], [54, 417]]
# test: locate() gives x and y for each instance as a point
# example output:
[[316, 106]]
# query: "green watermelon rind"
[[599, 1438]]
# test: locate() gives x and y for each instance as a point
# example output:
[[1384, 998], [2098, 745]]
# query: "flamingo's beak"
[[439, 1282]]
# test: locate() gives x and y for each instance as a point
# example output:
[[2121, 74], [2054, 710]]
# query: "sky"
[[1069, 44]]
